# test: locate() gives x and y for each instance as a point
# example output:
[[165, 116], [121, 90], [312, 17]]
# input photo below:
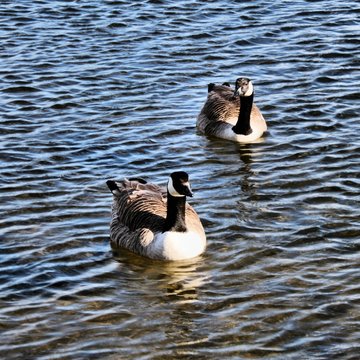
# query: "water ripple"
[[96, 90]]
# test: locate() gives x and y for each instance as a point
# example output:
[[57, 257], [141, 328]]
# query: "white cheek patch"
[[187, 184], [250, 89], [172, 190]]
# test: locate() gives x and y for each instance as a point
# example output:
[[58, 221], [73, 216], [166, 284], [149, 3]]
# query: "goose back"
[[220, 105]]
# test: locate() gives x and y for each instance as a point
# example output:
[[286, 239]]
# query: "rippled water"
[[106, 89]]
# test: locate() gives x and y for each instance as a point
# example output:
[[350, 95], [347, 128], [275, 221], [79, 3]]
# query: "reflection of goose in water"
[[229, 163], [232, 115], [179, 281], [184, 280], [230, 152]]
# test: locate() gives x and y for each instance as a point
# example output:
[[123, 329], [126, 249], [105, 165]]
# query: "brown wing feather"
[[221, 104], [217, 127], [140, 205]]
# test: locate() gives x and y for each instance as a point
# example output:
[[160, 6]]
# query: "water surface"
[[106, 89]]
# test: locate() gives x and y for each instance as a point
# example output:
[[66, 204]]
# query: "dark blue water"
[[106, 89]]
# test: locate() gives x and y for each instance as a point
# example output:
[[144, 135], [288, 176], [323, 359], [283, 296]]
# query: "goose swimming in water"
[[232, 115], [156, 222]]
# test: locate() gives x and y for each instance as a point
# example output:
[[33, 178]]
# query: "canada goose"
[[231, 114], [156, 222]]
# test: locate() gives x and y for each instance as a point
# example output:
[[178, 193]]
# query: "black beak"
[[188, 192]]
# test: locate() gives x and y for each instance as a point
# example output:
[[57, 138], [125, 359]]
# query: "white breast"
[[177, 246], [229, 134]]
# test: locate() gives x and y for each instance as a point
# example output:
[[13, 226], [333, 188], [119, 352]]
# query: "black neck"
[[243, 124], [175, 217]]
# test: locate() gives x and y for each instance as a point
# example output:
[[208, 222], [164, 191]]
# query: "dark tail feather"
[[210, 87], [112, 186]]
